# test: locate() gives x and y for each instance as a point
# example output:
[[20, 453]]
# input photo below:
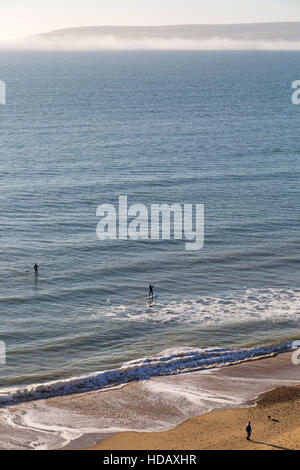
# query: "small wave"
[[170, 362]]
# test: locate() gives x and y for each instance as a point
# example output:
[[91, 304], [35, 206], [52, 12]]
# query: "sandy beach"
[[207, 409], [275, 417], [275, 423]]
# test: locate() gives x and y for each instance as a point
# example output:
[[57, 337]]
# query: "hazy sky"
[[19, 18]]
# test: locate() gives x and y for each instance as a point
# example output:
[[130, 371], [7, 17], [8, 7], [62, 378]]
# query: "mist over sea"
[[82, 128]]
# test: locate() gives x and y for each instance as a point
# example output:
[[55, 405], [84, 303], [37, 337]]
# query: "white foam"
[[275, 305], [254, 305], [171, 361], [45, 427]]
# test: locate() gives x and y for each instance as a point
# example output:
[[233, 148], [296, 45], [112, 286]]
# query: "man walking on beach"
[[248, 431]]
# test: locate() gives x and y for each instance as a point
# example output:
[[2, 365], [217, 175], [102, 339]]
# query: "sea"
[[81, 129]]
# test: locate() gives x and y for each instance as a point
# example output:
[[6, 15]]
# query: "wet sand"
[[275, 418], [275, 424], [154, 405]]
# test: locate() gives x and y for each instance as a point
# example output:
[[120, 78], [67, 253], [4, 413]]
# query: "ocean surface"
[[81, 129]]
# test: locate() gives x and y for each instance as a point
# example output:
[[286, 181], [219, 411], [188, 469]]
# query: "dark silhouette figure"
[[248, 431], [151, 291], [36, 269]]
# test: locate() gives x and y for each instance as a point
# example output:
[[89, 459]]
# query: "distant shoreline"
[[244, 36]]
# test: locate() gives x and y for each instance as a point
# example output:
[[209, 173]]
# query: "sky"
[[21, 18]]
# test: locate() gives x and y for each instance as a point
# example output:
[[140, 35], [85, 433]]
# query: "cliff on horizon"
[[228, 36]]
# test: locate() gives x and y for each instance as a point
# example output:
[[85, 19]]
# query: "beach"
[[137, 414], [275, 423]]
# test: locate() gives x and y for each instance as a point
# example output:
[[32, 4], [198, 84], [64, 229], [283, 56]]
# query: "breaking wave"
[[170, 362]]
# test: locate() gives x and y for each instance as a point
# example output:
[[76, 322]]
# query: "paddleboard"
[[154, 296]]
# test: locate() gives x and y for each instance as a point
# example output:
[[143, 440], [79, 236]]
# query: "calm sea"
[[81, 129]]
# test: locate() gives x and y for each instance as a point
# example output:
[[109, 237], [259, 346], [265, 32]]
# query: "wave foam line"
[[171, 362]]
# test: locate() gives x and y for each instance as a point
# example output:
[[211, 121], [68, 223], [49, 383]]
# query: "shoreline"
[[187, 360], [159, 404], [271, 376], [251, 380], [275, 421]]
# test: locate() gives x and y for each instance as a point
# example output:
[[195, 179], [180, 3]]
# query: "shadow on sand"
[[270, 445]]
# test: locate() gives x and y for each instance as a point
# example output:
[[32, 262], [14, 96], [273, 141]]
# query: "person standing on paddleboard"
[[151, 291], [36, 269]]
